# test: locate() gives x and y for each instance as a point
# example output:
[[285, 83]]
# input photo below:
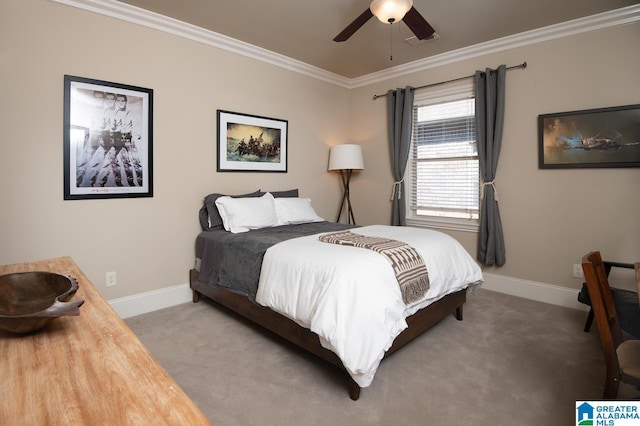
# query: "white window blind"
[[444, 162]]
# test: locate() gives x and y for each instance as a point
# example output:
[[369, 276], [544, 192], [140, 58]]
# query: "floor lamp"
[[345, 159]]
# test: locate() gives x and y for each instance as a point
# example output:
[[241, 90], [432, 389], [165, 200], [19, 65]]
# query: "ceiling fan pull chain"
[[391, 41]]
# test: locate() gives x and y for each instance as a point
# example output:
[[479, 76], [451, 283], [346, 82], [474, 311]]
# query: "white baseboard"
[[150, 301], [541, 292]]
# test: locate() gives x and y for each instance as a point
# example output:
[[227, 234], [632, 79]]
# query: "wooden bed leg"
[[354, 389], [193, 278], [459, 313]]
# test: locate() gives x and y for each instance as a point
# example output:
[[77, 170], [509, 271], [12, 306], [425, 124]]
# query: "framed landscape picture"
[[108, 139], [250, 143], [605, 137]]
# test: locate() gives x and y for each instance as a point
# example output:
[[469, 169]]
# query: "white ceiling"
[[304, 29]]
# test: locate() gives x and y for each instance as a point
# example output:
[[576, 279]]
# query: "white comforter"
[[350, 297]]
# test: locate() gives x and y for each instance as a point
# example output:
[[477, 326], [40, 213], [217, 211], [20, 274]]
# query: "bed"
[[344, 304]]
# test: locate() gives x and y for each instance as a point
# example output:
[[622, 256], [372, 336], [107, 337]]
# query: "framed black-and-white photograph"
[[108, 139], [604, 137], [250, 143]]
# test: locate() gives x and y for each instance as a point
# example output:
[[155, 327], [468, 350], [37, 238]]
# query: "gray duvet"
[[233, 261]]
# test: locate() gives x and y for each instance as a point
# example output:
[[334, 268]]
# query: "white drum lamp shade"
[[346, 157]]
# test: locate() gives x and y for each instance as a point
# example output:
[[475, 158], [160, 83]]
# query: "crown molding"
[[159, 22], [625, 15], [182, 29]]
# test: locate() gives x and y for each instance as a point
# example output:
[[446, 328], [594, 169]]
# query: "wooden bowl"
[[29, 300]]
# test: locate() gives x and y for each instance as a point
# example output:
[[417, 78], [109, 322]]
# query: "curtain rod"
[[522, 65]]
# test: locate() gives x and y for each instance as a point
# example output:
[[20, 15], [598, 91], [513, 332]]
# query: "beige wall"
[[149, 241], [548, 220]]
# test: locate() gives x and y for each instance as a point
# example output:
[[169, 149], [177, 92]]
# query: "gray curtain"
[[400, 115], [490, 86]]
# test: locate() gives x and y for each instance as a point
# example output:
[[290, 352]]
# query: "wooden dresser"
[[89, 369]]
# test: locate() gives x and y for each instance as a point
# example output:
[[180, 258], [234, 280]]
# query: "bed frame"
[[308, 340]]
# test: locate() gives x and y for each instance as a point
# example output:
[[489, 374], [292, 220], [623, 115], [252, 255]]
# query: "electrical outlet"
[[577, 270], [111, 279]]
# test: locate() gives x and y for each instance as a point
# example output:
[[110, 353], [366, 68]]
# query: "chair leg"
[[611, 388], [587, 325]]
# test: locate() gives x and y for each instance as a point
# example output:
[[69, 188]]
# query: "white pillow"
[[242, 214], [295, 210]]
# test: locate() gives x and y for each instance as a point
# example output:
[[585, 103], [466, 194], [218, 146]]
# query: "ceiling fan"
[[388, 12]]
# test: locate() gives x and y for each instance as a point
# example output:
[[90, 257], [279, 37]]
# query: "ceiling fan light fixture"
[[390, 11]]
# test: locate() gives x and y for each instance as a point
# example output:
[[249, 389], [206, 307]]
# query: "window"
[[444, 171]]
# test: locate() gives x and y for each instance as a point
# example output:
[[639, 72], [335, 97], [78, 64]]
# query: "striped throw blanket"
[[407, 263]]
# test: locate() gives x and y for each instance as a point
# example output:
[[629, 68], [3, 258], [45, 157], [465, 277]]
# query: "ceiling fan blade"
[[418, 24], [354, 26]]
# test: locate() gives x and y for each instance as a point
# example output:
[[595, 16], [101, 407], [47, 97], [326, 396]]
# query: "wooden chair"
[[622, 358], [624, 300], [636, 266]]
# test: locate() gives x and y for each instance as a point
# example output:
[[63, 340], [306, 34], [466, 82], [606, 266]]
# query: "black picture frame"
[[108, 140], [593, 138], [251, 143]]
